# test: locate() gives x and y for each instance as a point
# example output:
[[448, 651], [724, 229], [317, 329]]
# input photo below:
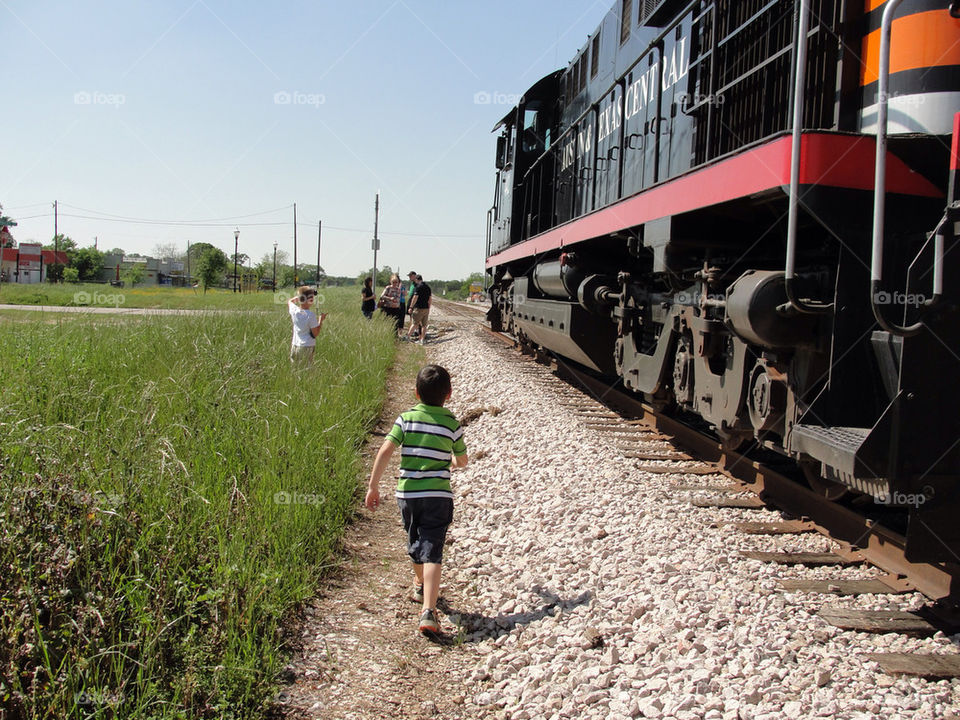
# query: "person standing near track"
[[306, 326], [409, 290], [367, 303], [431, 441], [391, 304], [420, 308]]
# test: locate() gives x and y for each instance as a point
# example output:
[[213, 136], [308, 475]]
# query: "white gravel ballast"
[[593, 589]]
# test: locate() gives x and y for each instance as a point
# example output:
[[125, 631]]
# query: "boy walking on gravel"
[[431, 440]]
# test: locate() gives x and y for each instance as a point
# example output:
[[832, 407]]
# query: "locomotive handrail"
[[879, 194], [789, 273]]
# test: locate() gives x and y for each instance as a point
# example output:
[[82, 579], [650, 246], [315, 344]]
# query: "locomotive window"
[[626, 14], [583, 71], [533, 140], [595, 56]]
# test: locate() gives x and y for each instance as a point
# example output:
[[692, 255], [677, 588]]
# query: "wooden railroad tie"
[[641, 455], [672, 470], [741, 503], [708, 488], [787, 527], [877, 621], [923, 665], [839, 586], [810, 559]]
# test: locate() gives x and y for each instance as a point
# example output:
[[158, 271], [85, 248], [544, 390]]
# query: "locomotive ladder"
[[879, 199]]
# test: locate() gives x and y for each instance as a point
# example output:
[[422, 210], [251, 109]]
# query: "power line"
[[174, 222], [168, 223], [231, 221]]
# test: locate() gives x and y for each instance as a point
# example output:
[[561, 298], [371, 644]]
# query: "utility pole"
[[56, 239], [189, 279], [236, 242], [274, 266], [319, 232], [376, 239], [296, 280]]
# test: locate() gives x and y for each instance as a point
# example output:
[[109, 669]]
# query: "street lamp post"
[[236, 240], [274, 265]]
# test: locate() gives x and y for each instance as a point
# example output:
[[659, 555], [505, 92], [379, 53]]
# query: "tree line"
[[209, 266]]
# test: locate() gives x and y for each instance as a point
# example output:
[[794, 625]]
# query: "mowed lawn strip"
[[169, 491]]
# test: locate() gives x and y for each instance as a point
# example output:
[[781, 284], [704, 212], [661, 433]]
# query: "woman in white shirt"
[[306, 325]]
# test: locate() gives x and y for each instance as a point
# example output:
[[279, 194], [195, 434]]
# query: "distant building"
[[28, 263], [166, 271]]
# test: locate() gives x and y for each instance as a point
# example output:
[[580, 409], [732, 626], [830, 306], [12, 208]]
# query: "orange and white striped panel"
[[924, 68]]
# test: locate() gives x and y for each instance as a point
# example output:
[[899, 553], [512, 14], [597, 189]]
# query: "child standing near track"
[[306, 325], [431, 440]]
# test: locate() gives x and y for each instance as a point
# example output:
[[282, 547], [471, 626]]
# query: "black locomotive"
[[746, 211]]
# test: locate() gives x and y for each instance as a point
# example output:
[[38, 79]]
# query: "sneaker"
[[417, 594], [428, 622]]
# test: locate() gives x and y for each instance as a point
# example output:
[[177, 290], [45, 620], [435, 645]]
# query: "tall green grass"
[[169, 489]]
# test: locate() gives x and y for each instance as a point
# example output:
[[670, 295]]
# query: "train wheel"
[[828, 489], [733, 440]]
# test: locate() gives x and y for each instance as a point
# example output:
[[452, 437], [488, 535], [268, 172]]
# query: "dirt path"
[[361, 655]]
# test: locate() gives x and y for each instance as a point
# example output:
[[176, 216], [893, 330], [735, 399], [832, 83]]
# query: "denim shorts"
[[426, 520]]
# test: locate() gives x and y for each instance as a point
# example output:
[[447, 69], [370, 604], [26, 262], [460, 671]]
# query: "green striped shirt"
[[428, 437]]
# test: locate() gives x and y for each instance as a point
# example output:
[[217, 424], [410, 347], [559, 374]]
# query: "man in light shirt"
[[306, 325]]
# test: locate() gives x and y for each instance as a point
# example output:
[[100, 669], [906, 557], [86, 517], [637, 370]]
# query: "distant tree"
[[133, 275], [211, 264], [453, 287], [88, 262], [61, 242], [4, 220], [65, 245], [383, 275], [116, 251], [168, 251], [285, 276]]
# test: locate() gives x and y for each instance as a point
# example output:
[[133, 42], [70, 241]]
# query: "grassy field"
[[146, 296], [169, 490]]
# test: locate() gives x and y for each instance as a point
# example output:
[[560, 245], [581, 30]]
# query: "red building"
[[28, 263]]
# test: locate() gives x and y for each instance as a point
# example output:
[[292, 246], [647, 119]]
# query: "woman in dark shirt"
[[368, 304]]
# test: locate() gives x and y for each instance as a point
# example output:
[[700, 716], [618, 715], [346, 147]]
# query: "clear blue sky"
[[175, 111]]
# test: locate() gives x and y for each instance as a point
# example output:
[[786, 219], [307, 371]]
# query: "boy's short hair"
[[433, 385], [306, 290]]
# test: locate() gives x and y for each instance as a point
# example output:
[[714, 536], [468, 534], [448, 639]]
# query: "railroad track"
[[665, 445]]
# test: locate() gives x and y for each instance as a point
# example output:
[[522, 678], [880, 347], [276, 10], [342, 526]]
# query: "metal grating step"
[[835, 446]]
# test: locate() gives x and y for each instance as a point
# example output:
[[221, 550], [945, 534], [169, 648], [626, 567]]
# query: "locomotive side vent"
[[646, 9]]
